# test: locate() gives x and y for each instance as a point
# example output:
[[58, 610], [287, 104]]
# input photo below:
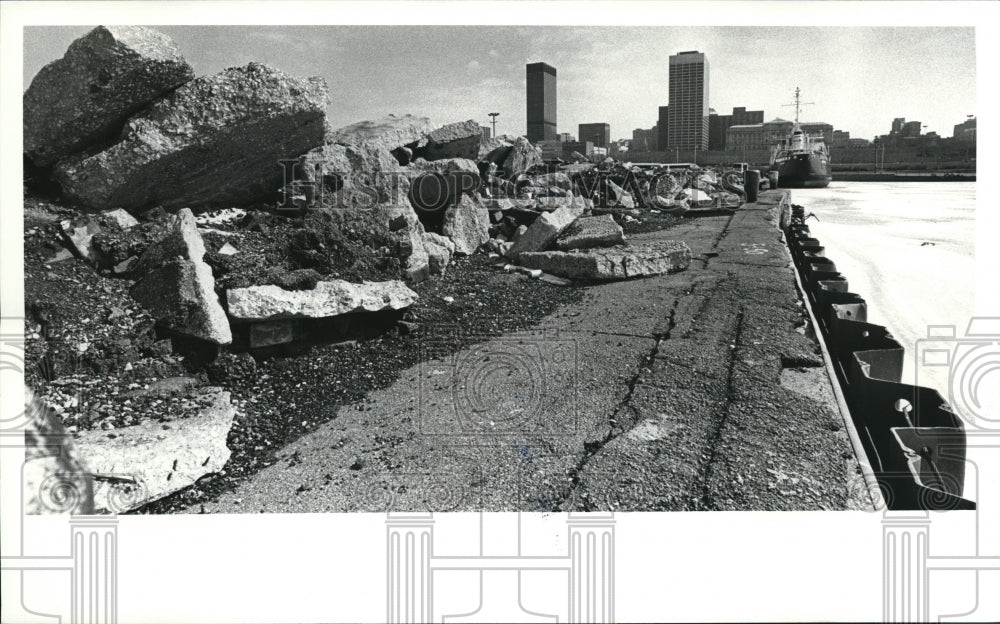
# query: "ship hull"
[[803, 171]]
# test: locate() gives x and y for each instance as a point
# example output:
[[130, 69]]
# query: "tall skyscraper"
[[687, 117], [541, 102], [598, 133], [662, 136]]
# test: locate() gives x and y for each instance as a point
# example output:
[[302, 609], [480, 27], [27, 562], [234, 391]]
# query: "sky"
[[858, 78]]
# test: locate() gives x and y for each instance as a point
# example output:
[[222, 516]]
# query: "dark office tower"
[[687, 119], [597, 133], [661, 129], [541, 102]]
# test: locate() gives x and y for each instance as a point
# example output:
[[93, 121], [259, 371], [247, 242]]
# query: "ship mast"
[[798, 104]]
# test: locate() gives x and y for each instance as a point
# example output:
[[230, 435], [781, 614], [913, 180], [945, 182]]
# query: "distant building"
[[858, 143], [487, 132], [840, 138], [764, 135], [661, 129], [910, 129], [644, 140], [897, 125], [687, 117], [565, 137], [718, 124], [584, 147], [965, 131], [551, 150], [541, 94], [598, 133]]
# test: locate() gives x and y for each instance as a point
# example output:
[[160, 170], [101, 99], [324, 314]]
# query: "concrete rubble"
[[105, 76], [328, 298], [600, 231], [544, 230], [300, 228], [611, 263], [145, 462], [244, 119]]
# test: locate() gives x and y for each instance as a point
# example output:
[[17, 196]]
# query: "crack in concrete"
[[705, 501], [614, 427]]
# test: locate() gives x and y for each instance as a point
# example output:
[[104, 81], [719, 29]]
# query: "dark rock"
[[232, 368], [300, 279], [104, 77], [216, 139]]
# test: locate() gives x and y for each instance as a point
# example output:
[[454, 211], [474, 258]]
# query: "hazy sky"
[[860, 78]]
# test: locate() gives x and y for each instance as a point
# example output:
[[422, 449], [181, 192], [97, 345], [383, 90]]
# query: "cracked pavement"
[[691, 391]]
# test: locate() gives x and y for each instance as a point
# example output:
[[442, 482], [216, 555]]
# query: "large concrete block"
[[613, 263]]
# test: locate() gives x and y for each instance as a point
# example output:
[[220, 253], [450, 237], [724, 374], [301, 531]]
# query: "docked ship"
[[801, 159]]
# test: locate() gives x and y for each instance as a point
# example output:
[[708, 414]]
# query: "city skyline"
[[615, 74]]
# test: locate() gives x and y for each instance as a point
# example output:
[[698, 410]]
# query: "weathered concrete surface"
[[329, 298], [216, 139], [467, 224], [672, 402], [456, 140], [544, 230], [612, 263], [182, 451], [86, 96], [587, 232]]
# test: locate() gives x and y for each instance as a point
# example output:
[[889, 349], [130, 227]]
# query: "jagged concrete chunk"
[[159, 458], [177, 287], [217, 139], [523, 155], [545, 229], [332, 298], [357, 164], [457, 140], [86, 96], [467, 224], [591, 232], [613, 263], [387, 133]]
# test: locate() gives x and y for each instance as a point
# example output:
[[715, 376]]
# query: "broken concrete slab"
[[140, 464], [587, 232], [329, 298], [467, 224], [384, 134], [456, 140], [216, 139], [177, 286], [104, 77], [612, 263], [544, 230]]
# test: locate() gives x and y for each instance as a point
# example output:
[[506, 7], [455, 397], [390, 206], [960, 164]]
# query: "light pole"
[[494, 116]]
